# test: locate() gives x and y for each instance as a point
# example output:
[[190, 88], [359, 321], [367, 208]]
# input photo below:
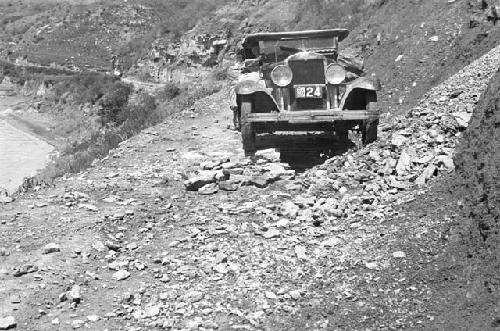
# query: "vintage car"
[[295, 81]]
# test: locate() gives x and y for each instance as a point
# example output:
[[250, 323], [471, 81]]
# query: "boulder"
[[229, 186], [51, 248], [289, 209], [276, 169], [121, 275], [404, 163], [75, 294], [7, 323], [209, 189], [428, 172], [398, 140], [462, 119], [197, 182], [270, 155], [258, 181], [445, 161]]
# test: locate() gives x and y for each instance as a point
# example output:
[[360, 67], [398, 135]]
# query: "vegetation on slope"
[[112, 112], [88, 35]]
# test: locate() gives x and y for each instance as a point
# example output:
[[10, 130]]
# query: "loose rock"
[[51, 248], [121, 275], [7, 323]]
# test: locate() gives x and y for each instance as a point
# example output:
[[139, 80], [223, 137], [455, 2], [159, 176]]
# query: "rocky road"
[[176, 229]]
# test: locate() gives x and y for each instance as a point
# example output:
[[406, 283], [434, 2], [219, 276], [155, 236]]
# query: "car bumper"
[[313, 116]]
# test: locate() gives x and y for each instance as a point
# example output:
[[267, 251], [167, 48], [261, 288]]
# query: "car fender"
[[248, 87], [362, 83], [251, 85]]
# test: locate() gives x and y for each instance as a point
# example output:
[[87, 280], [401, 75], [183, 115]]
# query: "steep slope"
[[423, 43], [88, 34], [478, 168], [476, 187], [77, 36], [411, 45]]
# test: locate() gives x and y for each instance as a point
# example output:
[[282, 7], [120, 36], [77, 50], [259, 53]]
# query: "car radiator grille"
[[307, 72]]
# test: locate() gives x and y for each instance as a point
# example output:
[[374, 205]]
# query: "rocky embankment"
[[176, 229], [477, 168]]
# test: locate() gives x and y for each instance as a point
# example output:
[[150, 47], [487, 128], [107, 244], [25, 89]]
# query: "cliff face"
[[472, 199], [421, 44], [478, 170]]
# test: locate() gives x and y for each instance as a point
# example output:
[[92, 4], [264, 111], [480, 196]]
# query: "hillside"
[[176, 229], [421, 42], [475, 187], [156, 220], [431, 39], [86, 35]]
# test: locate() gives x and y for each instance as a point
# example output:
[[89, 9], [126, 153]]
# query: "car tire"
[[370, 127], [247, 128], [341, 131], [237, 119]]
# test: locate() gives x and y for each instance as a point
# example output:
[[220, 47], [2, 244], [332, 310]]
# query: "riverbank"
[[112, 110], [23, 155], [25, 143]]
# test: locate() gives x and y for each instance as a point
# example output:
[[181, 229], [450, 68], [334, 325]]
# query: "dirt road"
[[124, 246]]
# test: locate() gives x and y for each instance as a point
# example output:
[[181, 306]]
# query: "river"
[[21, 154]]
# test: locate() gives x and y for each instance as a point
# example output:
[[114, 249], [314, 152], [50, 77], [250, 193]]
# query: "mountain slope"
[[420, 43]]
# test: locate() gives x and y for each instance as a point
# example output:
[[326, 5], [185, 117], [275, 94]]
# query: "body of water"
[[21, 155]]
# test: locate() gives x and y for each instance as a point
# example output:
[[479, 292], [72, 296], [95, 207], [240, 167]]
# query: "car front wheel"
[[370, 127], [236, 118], [247, 128]]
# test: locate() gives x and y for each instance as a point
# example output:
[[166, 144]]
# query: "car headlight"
[[281, 75], [335, 74]]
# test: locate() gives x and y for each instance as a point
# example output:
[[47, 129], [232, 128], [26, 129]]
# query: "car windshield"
[[278, 50], [297, 44]]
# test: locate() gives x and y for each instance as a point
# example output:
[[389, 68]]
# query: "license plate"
[[308, 91]]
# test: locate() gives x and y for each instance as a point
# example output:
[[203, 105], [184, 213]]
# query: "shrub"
[[139, 115], [169, 92], [145, 76], [113, 103], [85, 87], [221, 73], [96, 89], [134, 116]]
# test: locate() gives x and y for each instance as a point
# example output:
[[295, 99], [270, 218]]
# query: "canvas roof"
[[253, 39]]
